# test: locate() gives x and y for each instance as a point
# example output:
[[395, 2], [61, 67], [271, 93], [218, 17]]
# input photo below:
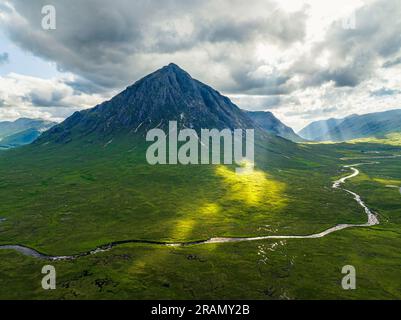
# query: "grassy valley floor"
[[86, 201]]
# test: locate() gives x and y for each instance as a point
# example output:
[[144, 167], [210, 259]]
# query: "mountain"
[[19, 139], [354, 127], [8, 128], [22, 131], [169, 94], [319, 128], [267, 121]]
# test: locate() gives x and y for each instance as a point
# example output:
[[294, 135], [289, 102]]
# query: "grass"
[[390, 139], [71, 199], [69, 202]]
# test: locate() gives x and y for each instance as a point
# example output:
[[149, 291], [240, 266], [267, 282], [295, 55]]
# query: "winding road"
[[372, 220]]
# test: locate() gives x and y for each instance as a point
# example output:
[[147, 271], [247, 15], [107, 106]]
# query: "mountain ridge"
[[11, 127], [354, 126], [22, 131], [271, 124]]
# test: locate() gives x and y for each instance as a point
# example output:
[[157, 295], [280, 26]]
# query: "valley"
[[372, 220], [84, 198], [187, 158], [263, 269]]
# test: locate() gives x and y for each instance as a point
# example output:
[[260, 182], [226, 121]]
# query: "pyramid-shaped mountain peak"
[[168, 94], [168, 76], [172, 68]]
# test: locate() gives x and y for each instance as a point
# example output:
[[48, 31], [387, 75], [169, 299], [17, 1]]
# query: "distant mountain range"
[[267, 121], [354, 127], [22, 131]]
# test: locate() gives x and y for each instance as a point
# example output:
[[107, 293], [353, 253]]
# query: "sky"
[[304, 60]]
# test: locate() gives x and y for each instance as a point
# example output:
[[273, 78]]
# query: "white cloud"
[[52, 99]]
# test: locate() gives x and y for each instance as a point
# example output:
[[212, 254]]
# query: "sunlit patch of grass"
[[210, 209], [252, 187], [147, 261], [388, 181], [184, 228], [393, 139]]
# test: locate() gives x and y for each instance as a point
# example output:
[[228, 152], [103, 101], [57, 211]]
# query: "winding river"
[[372, 220]]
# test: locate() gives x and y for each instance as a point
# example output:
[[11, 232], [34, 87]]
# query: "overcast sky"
[[303, 60]]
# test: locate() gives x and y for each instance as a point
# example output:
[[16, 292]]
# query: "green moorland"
[[69, 200], [391, 138]]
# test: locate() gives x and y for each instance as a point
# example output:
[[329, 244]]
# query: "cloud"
[[392, 63], [123, 40], [354, 55], [384, 92], [24, 96], [255, 102], [135, 38], [266, 54], [3, 58]]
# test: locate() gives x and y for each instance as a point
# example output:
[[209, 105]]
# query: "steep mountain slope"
[[354, 127], [169, 94], [267, 121]]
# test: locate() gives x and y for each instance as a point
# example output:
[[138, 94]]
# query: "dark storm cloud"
[[264, 85], [360, 68], [281, 28], [40, 100], [392, 63], [82, 85], [112, 43]]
